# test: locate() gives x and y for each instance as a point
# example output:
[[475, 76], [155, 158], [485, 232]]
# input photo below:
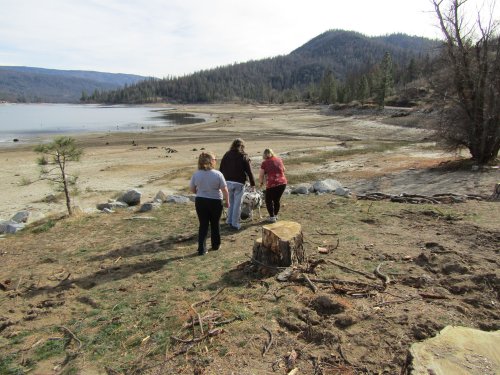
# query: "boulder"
[[160, 197], [10, 227], [457, 350], [51, 198], [21, 217], [131, 197], [149, 206], [326, 186], [343, 192], [304, 188], [111, 205], [178, 199]]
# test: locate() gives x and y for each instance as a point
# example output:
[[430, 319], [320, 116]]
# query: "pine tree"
[[385, 82], [55, 158], [328, 89]]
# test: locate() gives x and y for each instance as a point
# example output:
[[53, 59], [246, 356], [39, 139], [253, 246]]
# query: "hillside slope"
[[348, 54], [29, 84]]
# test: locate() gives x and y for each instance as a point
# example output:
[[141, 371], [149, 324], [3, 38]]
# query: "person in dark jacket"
[[235, 166]]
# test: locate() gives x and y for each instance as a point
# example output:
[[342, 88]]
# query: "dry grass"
[[124, 287]]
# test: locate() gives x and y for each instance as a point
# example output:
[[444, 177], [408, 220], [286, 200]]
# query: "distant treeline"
[[337, 66], [32, 85]]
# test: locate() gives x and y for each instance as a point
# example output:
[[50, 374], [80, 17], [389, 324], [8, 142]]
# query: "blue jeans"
[[235, 190]]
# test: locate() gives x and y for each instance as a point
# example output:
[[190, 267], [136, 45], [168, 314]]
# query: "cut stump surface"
[[281, 245]]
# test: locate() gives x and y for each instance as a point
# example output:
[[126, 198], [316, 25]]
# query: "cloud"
[[176, 37]]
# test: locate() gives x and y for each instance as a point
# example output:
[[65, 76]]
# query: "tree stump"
[[281, 245], [496, 193]]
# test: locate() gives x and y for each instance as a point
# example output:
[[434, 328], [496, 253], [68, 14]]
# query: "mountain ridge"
[[273, 79], [353, 59], [34, 84]]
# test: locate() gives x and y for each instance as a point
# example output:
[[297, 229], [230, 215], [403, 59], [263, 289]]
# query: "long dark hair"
[[238, 145]]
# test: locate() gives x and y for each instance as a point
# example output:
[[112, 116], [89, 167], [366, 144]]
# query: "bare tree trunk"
[[62, 163], [472, 114]]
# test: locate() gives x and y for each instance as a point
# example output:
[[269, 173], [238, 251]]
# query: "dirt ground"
[[121, 292], [116, 162]]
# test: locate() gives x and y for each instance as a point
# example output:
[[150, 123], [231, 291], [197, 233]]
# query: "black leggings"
[[273, 196], [209, 212]]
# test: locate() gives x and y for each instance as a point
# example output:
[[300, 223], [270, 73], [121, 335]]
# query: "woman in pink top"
[[273, 170]]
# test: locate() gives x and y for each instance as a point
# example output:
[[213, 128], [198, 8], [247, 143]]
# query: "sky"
[[162, 38]]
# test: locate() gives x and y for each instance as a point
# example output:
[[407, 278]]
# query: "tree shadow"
[[244, 274], [147, 247], [118, 272]]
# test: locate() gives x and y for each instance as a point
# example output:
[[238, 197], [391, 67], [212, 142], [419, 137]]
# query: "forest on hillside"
[[336, 66], [22, 84]]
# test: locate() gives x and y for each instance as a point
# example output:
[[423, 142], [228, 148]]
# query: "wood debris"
[[446, 198]]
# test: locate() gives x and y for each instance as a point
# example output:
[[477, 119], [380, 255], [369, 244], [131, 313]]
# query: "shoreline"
[[89, 120], [302, 134]]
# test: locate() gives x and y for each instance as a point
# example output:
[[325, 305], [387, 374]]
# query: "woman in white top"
[[210, 187]]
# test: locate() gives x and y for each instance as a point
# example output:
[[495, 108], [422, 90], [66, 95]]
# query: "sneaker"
[[200, 253], [215, 248], [235, 228], [272, 219]]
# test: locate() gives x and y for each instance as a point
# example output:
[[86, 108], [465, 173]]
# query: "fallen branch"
[[367, 275], [180, 352], [311, 284], [270, 342], [213, 332], [432, 296], [346, 282], [342, 356], [72, 335], [336, 246], [211, 316], [208, 299], [419, 199], [385, 279], [18, 283], [373, 196], [227, 321], [311, 268], [199, 319], [266, 285]]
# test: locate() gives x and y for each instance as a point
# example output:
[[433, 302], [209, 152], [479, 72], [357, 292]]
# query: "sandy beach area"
[[165, 159]]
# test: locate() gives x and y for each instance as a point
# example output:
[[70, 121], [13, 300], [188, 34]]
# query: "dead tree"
[[469, 81]]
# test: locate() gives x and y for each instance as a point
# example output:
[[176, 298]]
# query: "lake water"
[[28, 123]]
